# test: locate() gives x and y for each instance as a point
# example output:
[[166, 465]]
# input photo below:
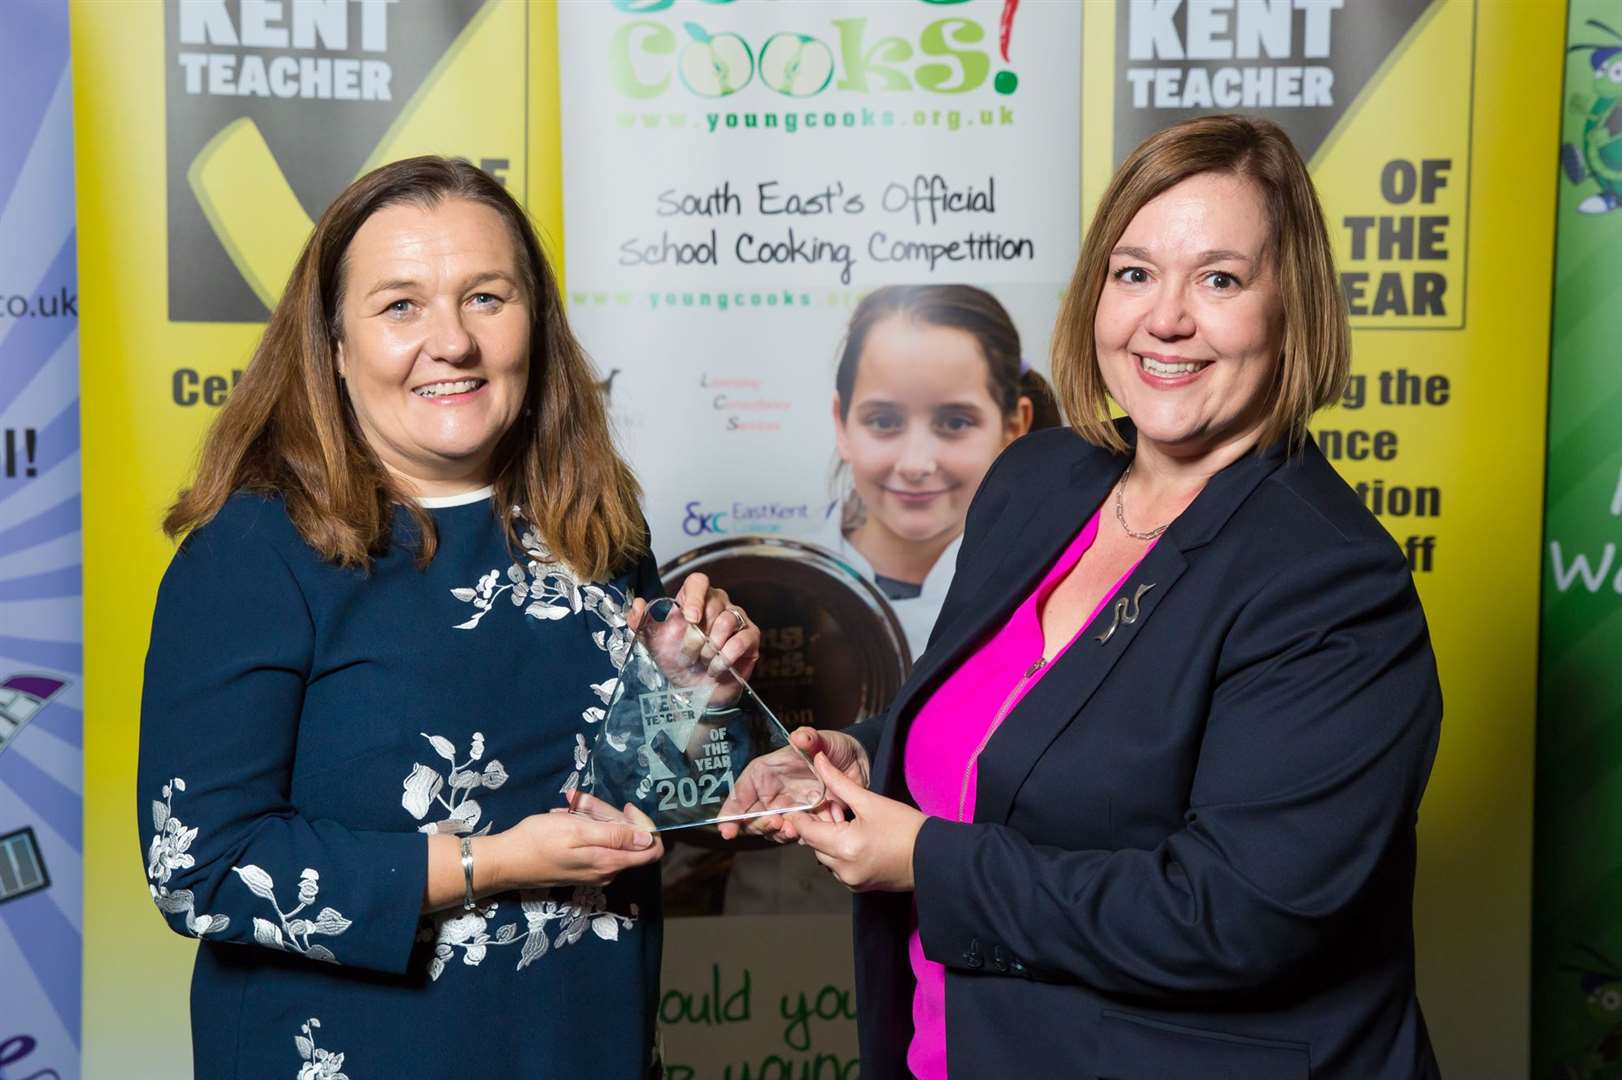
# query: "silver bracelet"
[[468, 903]]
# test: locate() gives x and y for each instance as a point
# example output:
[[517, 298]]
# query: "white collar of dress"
[[438, 502]]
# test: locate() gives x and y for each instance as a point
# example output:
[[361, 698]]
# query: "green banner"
[[1577, 991]]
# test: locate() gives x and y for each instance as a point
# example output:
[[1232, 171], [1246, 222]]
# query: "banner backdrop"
[[737, 178], [1577, 983], [41, 697]]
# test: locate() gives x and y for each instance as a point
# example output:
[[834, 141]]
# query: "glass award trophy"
[[832, 652], [687, 742]]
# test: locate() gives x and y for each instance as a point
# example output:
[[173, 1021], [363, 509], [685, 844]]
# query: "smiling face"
[[921, 429], [1190, 323], [434, 343]]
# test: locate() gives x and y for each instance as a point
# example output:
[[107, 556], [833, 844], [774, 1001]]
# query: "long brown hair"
[[1316, 354], [288, 428]]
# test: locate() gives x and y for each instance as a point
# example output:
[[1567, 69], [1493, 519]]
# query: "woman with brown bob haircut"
[[1146, 807], [411, 563]]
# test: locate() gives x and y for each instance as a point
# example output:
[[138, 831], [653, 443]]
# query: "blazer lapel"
[[1064, 691], [1032, 538]]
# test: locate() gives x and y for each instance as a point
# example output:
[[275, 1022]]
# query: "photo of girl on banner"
[[930, 386]]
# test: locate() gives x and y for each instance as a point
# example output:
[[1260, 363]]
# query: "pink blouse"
[[942, 752]]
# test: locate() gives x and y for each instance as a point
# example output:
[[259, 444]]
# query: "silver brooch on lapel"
[[1126, 611]]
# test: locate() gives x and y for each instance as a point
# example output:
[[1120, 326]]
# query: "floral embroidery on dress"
[[546, 589], [294, 933], [171, 851], [586, 908], [426, 786], [318, 1064]]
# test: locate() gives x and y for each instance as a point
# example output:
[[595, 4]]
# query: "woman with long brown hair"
[[410, 565]]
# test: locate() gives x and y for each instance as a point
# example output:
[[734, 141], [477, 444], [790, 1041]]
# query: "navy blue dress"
[[304, 726]]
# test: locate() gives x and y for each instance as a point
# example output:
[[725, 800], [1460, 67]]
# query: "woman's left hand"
[[729, 629], [872, 852]]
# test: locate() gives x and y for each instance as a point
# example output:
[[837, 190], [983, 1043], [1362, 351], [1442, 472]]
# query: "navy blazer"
[[1192, 852]]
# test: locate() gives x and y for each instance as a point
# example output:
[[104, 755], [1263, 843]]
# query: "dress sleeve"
[[1319, 740], [229, 857]]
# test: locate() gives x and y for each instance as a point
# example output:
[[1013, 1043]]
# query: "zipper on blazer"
[[996, 722]]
